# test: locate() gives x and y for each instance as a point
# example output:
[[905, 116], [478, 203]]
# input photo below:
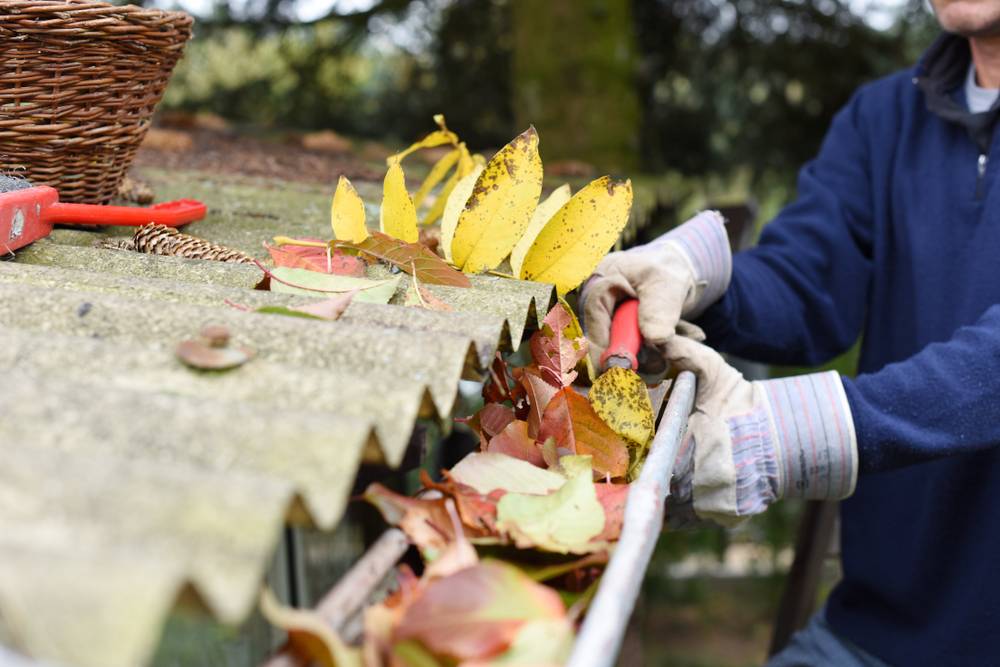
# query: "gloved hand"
[[752, 443], [678, 275]]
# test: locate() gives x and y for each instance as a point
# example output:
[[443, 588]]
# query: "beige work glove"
[[751, 443], [678, 275]]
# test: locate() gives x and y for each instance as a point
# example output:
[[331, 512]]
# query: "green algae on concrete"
[[50, 252], [434, 360], [484, 330], [102, 552], [274, 387], [316, 454]]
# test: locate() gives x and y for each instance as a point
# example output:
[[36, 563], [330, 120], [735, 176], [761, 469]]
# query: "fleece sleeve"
[[799, 296], [944, 400]]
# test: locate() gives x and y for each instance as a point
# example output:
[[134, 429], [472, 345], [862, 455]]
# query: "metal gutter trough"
[[600, 637]]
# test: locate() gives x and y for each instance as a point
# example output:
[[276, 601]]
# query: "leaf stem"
[[501, 274], [416, 285], [285, 240]]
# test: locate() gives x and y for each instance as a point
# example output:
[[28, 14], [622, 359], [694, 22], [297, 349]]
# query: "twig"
[[354, 589]]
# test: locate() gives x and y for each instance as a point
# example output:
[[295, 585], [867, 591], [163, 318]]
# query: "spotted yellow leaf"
[[398, 217], [347, 213], [502, 201], [542, 214], [454, 207], [620, 398], [577, 237]]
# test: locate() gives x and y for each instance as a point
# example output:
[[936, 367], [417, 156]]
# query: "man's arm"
[[944, 400], [800, 295], [752, 443]]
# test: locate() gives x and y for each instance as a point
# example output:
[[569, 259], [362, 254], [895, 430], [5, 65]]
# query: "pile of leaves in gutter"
[[515, 536], [469, 216]]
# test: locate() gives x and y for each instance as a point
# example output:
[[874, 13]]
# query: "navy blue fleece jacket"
[[895, 235]]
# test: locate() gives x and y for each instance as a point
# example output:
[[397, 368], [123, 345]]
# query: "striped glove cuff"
[[797, 443], [705, 243]]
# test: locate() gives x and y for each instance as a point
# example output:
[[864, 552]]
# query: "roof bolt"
[[216, 335]]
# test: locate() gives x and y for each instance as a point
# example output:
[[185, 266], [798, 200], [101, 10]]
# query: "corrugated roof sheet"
[[130, 482]]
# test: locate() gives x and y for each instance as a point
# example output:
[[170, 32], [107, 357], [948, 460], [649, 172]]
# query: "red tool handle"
[[623, 348], [171, 214]]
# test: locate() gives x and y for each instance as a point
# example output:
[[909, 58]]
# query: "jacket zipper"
[[981, 171]]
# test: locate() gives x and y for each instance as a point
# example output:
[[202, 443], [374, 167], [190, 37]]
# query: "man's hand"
[[678, 275], [752, 443]]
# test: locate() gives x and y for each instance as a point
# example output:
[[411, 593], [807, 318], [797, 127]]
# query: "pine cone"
[[161, 240]]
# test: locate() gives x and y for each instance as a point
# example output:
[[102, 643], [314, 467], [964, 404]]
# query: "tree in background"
[[757, 81], [698, 86], [574, 79]]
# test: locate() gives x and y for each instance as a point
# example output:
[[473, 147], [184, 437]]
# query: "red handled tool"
[[28, 214], [625, 338]]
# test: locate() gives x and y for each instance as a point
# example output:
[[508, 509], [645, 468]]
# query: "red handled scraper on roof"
[[28, 213]]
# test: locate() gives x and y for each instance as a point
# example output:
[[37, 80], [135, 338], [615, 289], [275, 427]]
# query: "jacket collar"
[[941, 72]]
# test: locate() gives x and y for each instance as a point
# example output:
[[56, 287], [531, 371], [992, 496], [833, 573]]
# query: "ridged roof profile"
[[130, 482]]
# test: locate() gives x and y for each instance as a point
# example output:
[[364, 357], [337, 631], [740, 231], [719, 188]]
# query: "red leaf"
[[477, 612], [612, 498], [515, 441], [425, 522], [571, 421], [497, 386], [538, 392], [315, 259], [410, 257], [494, 418], [478, 512], [554, 351]]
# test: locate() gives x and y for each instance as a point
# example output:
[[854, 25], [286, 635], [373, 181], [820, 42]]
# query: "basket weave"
[[78, 84]]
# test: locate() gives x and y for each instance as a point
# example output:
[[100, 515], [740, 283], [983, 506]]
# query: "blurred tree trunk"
[[573, 78]]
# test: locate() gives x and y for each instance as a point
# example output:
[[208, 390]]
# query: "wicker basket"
[[78, 85]]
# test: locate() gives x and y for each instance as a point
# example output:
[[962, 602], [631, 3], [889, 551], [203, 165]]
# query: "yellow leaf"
[[465, 165], [308, 634], [454, 207], [432, 140], [542, 214], [574, 241], [497, 213], [437, 208], [620, 398], [398, 217], [467, 162], [347, 213], [435, 175]]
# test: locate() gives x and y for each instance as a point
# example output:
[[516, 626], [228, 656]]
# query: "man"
[[895, 235]]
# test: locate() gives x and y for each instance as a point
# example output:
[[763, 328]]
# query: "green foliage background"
[[698, 86]]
